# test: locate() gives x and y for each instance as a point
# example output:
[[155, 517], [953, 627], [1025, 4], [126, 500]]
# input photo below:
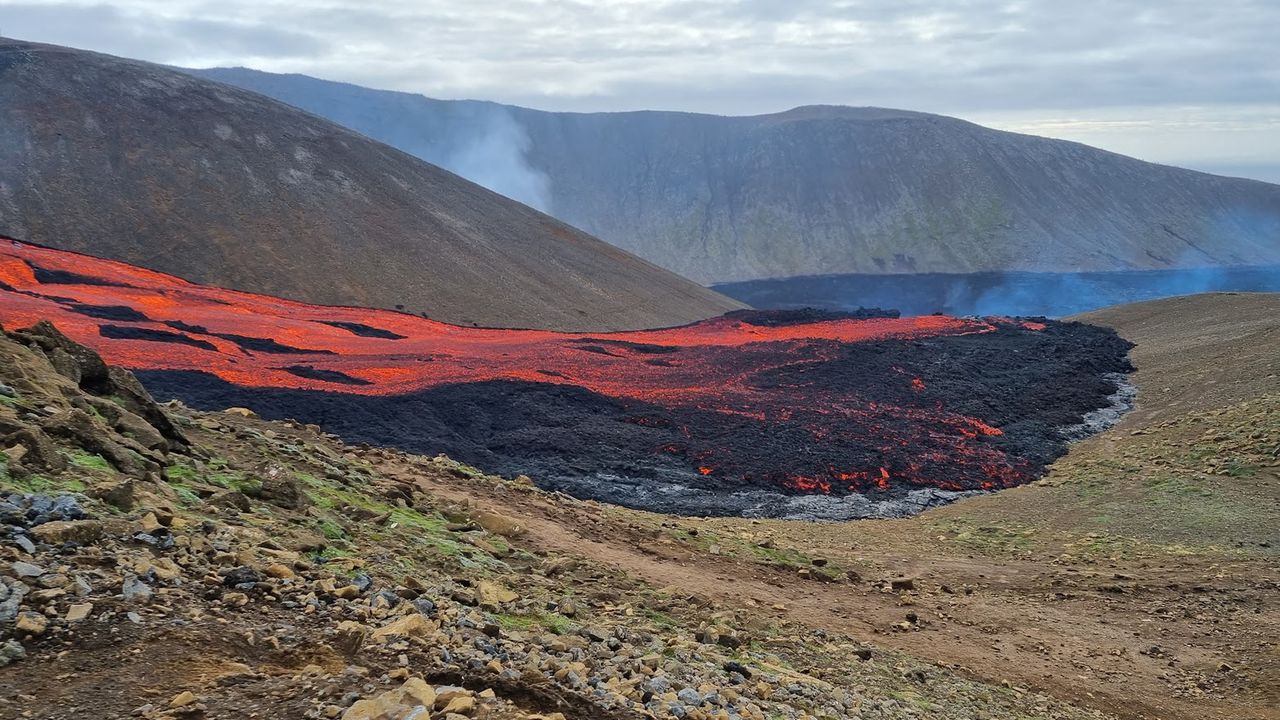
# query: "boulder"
[[414, 625], [282, 490], [39, 452], [58, 532], [122, 495], [32, 623], [82, 429], [499, 524], [413, 699], [74, 361], [491, 594]]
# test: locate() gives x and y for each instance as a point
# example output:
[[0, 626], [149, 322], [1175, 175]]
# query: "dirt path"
[[1086, 647]]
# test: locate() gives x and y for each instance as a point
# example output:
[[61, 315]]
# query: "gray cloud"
[[132, 32], [964, 57]]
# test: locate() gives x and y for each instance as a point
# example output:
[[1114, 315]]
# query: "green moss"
[[989, 538], [180, 473], [43, 483], [534, 622], [233, 480], [558, 624], [785, 557], [90, 461], [186, 495], [522, 623], [331, 530], [661, 619]]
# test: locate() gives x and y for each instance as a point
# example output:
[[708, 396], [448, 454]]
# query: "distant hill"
[[141, 163], [819, 190]]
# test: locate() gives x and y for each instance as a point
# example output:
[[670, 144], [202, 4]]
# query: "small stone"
[[32, 623], [240, 576], [689, 696], [10, 652], [492, 594], [64, 531], [414, 625], [416, 690], [149, 524], [464, 705], [658, 685], [134, 590], [347, 592], [27, 570], [79, 611], [351, 636]]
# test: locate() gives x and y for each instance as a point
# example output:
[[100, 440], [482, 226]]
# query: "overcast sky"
[[1191, 82]]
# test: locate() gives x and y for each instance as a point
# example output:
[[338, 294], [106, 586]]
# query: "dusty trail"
[[1004, 631]]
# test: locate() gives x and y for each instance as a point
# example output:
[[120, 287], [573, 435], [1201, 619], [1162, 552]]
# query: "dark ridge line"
[[363, 330], [245, 342], [267, 345], [647, 348], [117, 313], [45, 276], [120, 332], [333, 376]]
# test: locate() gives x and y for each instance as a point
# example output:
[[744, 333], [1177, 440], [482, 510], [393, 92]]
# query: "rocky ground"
[[222, 566]]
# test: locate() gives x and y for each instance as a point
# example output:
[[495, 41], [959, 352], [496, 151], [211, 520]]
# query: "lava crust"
[[749, 413]]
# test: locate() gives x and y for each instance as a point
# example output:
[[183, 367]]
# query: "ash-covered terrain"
[[783, 413]]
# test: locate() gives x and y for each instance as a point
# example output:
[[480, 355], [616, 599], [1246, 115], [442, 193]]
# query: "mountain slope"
[[820, 190], [140, 163]]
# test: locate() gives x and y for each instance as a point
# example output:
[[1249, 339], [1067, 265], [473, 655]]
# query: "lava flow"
[[787, 403]]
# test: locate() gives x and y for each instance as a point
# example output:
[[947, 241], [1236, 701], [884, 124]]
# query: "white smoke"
[[493, 151]]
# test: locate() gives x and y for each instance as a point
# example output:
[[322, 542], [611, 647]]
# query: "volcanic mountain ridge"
[[821, 190], [144, 164]]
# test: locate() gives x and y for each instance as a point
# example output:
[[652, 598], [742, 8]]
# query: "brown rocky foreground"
[[229, 567]]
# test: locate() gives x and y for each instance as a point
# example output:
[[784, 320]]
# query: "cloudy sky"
[[1190, 82]]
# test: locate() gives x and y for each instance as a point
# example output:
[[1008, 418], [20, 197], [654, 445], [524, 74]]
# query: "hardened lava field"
[[751, 413]]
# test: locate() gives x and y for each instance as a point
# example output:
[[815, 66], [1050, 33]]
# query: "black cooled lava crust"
[[1027, 384]]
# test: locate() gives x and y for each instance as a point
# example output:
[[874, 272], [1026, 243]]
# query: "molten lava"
[[799, 403]]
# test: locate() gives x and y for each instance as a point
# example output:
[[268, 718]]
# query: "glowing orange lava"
[[146, 320]]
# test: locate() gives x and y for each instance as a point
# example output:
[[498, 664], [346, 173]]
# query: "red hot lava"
[[690, 388]]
